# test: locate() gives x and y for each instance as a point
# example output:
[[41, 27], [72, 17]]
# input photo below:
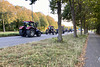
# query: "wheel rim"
[[32, 33], [39, 34]]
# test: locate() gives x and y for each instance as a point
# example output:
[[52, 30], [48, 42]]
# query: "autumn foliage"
[[12, 17]]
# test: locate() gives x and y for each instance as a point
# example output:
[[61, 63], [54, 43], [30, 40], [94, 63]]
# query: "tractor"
[[50, 30], [62, 30], [29, 29]]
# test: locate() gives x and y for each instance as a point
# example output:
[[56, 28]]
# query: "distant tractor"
[[63, 31], [70, 30], [29, 29], [50, 30]]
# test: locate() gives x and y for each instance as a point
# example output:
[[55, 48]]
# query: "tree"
[[51, 21], [73, 16], [43, 20], [96, 12], [80, 14], [7, 15], [56, 6], [70, 14], [86, 11]]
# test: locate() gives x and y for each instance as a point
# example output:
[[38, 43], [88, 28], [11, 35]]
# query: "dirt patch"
[[35, 44], [82, 57]]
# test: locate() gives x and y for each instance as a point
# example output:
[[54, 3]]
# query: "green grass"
[[45, 53], [5, 34]]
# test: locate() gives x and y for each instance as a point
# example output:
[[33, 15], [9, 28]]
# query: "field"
[[45, 53]]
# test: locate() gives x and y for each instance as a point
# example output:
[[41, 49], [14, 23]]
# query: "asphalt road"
[[16, 40], [93, 51]]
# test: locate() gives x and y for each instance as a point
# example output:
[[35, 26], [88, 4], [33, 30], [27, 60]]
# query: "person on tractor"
[[28, 25]]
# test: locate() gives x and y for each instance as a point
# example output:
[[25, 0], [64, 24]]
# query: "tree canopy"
[[87, 13]]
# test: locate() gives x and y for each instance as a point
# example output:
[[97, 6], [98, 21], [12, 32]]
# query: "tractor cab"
[[29, 23], [51, 27], [29, 29]]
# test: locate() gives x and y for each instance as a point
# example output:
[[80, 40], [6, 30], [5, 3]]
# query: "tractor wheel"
[[22, 33], [46, 32], [38, 34], [63, 32], [30, 32], [53, 33]]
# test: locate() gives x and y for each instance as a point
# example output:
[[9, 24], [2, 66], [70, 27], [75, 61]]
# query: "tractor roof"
[[51, 26]]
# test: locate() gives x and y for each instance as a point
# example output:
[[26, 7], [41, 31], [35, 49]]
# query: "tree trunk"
[[84, 25], [3, 26], [81, 26], [80, 10], [73, 16], [86, 29], [59, 22], [98, 29]]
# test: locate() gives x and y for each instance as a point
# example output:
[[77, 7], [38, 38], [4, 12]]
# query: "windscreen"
[[26, 23]]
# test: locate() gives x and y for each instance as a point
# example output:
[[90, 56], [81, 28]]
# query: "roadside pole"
[[32, 12]]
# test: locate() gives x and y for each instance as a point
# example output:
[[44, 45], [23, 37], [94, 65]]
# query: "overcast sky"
[[40, 6]]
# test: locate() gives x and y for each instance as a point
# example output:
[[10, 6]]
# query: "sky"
[[39, 6]]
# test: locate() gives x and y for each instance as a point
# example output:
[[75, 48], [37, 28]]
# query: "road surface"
[[93, 51], [16, 40]]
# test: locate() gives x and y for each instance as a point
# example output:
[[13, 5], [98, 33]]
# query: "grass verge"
[[45, 53], [5, 34]]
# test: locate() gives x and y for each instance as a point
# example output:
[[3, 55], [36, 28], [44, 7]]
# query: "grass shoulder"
[[45, 53], [5, 34]]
